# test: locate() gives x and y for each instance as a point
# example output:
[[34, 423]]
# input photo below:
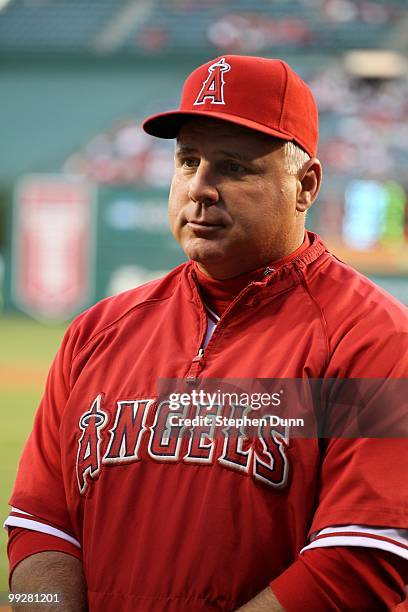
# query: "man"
[[153, 515]]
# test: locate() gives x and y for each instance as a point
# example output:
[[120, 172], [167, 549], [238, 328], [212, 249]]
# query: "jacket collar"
[[274, 281]]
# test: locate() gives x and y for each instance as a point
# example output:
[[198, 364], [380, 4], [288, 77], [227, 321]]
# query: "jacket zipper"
[[192, 374]]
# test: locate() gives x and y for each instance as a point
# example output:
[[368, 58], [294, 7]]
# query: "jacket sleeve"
[[365, 450], [39, 500], [341, 579]]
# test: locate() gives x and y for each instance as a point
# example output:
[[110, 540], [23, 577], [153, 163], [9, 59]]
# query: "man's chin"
[[204, 251], [214, 264]]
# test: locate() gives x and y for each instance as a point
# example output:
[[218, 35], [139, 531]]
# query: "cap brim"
[[167, 125]]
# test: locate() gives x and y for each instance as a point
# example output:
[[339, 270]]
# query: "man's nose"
[[203, 187]]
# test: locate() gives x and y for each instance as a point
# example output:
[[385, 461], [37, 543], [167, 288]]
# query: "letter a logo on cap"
[[213, 86]]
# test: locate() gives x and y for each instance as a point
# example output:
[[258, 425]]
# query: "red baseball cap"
[[258, 93]]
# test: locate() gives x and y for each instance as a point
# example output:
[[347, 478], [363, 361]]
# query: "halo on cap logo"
[[213, 86]]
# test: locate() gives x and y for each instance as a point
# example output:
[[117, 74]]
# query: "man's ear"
[[309, 181]]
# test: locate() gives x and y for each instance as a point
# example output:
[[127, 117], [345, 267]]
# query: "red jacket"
[[190, 523]]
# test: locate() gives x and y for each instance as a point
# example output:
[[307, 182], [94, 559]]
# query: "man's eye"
[[190, 162], [234, 167]]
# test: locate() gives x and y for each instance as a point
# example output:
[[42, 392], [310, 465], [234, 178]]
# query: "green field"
[[26, 351]]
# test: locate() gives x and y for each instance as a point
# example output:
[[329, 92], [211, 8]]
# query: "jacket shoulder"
[[366, 328], [347, 296], [112, 310]]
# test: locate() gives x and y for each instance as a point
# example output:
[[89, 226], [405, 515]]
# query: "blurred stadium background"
[[83, 191]]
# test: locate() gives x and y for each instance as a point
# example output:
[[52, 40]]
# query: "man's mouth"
[[204, 224], [204, 229], [200, 223]]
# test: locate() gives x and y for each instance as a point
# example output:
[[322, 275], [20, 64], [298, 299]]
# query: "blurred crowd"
[[239, 26], [364, 128], [163, 26]]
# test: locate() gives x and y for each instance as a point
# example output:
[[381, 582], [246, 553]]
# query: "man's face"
[[232, 204]]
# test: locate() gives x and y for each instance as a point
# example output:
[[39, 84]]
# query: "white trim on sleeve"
[[21, 511], [17, 521], [393, 540]]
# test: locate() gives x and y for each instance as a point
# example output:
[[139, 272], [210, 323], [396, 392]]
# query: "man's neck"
[[219, 273], [219, 293]]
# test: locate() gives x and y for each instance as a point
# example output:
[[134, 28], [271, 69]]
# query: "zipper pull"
[[195, 366], [199, 355]]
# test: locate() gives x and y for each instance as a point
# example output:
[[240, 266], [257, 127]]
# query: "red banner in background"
[[53, 246]]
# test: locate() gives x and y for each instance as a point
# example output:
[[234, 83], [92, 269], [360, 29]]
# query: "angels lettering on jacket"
[[159, 431]]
